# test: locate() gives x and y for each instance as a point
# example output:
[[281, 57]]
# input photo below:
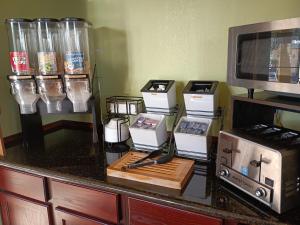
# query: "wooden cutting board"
[[173, 174]]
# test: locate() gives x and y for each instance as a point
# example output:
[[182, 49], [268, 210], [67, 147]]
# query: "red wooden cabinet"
[[19, 211], [141, 212], [102, 206], [66, 217], [23, 201]]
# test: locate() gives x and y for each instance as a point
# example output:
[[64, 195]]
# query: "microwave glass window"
[[269, 56]]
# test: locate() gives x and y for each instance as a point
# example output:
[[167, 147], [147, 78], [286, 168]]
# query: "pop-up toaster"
[[264, 162]]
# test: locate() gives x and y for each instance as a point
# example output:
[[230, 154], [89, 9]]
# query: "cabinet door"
[[147, 213], [66, 217], [19, 211]]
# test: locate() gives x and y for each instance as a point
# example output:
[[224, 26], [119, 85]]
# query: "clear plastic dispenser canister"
[[50, 63], [22, 47], [75, 34]]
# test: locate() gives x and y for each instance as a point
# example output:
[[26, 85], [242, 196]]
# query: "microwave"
[[265, 56]]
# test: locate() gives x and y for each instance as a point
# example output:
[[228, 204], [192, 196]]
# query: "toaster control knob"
[[260, 192], [224, 173]]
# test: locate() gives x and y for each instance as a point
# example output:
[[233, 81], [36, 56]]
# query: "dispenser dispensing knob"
[[224, 173], [260, 192]]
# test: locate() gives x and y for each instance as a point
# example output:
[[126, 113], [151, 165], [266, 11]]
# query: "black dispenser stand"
[[32, 128], [32, 131]]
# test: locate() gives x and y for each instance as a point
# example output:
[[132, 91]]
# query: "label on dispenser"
[[47, 63], [19, 62], [74, 62]]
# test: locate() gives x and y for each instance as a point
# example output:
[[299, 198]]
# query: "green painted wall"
[[9, 118], [137, 40]]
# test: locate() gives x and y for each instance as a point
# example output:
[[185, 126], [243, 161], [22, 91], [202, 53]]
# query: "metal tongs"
[[164, 158], [142, 162]]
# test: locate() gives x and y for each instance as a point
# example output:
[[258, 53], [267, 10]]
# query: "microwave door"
[[269, 56], [284, 56], [265, 56]]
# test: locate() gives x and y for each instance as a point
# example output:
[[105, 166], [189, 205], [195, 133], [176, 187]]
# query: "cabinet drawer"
[[29, 185], [94, 203], [147, 213], [65, 217]]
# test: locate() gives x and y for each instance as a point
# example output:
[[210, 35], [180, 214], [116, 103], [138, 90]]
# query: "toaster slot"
[[255, 128], [269, 132], [226, 153]]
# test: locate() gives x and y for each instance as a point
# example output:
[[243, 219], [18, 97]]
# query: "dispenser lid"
[[158, 86], [201, 87], [18, 20], [46, 20], [74, 19]]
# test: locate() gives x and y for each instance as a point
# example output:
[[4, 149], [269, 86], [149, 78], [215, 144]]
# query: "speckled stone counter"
[[68, 155]]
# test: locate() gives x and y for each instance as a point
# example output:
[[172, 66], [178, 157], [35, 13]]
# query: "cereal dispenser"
[[76, 55], [50, 59], [49, 64], [22, 48]]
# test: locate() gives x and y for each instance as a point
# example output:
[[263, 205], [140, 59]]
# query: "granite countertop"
[[68, 155]]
